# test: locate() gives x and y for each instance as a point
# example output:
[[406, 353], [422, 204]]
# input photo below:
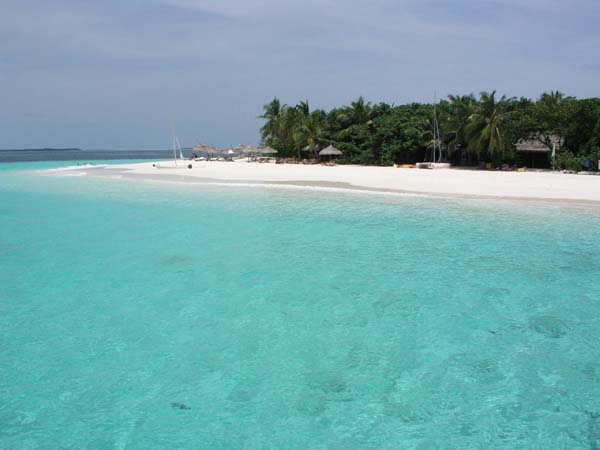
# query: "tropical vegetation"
[[474, 129]]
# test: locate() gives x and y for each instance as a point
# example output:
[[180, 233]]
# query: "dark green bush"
[[565, 160]]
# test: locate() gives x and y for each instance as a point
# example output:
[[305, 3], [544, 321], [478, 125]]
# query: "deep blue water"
[[286, 319], [80, 155]]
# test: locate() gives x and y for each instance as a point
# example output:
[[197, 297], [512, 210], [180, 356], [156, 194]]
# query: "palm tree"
[[303, 108], [309, 133], [272, 115], [552, 113], [358, 114], [308, 128], [286, 128], [484, 128], [461, 109], [552, 98]]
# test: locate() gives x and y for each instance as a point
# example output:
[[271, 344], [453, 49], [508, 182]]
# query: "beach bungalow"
[[536, 151]]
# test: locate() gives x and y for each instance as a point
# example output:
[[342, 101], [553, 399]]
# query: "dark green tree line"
[[473, 129]]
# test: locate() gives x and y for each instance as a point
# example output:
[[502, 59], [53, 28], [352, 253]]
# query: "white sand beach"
[[535, 185]]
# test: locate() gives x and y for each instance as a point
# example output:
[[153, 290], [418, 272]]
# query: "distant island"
[[40, 150]]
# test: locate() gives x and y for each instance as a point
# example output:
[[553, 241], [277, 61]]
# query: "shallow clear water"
[[287, 319]]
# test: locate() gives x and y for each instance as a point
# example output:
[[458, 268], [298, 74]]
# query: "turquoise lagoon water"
[[287, 319]]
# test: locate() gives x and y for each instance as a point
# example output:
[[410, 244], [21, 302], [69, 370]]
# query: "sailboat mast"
[[439, 139], [437, 144], [174, 145], [179, 147], [434, 128]]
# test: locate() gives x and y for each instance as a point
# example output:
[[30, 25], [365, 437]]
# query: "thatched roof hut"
[[247, 149], [539, 143], [330, 151], [203, 148]]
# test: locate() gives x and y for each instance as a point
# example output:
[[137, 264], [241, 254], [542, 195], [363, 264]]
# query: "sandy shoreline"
[[546, 186]]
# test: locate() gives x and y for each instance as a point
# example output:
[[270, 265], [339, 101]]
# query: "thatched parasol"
[[203, 148], [268, 151], [330, 151], [247, 149]]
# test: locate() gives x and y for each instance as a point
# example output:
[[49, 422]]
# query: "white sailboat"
[[176, 149], [436, 155], [179, 161]]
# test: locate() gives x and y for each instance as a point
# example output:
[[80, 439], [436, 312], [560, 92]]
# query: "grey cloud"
[[209, 65]]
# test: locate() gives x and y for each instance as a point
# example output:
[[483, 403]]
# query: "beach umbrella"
[[203, 148], [268, 151], [250, 149], [247, 149], [330, 151]]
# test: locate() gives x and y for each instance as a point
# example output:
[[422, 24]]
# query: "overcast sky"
[[118, 73]]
